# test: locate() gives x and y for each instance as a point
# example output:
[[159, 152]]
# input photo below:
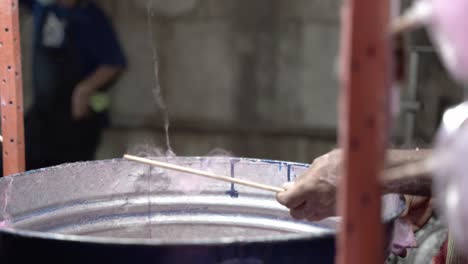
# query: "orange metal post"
[[11, 88], [365, 79]]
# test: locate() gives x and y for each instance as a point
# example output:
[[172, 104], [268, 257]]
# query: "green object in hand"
[[100, 102]]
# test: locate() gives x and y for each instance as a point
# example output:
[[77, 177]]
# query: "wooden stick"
[[174, 167], [401, 171]]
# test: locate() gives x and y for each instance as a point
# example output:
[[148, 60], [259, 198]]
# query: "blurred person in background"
[[76, 58]]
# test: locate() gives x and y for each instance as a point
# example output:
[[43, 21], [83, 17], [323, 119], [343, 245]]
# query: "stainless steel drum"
[[117, 211]]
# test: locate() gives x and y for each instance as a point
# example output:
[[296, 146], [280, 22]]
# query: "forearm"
[[412, 179], [99, 78]]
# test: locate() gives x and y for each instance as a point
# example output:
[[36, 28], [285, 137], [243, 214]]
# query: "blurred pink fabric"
[[404, 237]]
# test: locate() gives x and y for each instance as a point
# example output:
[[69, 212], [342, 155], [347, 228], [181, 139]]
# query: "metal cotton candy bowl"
[[118, 211]]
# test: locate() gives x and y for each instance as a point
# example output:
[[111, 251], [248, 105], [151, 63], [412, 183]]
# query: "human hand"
[[312, 195], [80, 102]]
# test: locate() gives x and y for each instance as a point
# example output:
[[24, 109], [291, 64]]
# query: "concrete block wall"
[[255, 77]]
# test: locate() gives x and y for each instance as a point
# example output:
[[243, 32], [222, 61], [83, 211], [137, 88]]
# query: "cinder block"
[[307, 82], [320, 87], [311, 10], [198, 71]]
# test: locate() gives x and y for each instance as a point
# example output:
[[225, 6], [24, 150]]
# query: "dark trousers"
[[54, 138]]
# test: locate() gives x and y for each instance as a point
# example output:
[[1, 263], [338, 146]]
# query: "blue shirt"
[[94, 38]]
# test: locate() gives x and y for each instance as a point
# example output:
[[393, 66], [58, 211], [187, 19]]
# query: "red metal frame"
[[365, 79], [11, 88]]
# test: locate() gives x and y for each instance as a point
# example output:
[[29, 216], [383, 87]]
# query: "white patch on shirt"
[[53, 32]]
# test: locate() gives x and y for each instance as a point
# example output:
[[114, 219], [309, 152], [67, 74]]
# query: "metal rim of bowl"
[[161, 242]]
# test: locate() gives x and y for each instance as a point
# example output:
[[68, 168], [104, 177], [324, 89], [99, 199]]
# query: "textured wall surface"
[[255, 77]]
